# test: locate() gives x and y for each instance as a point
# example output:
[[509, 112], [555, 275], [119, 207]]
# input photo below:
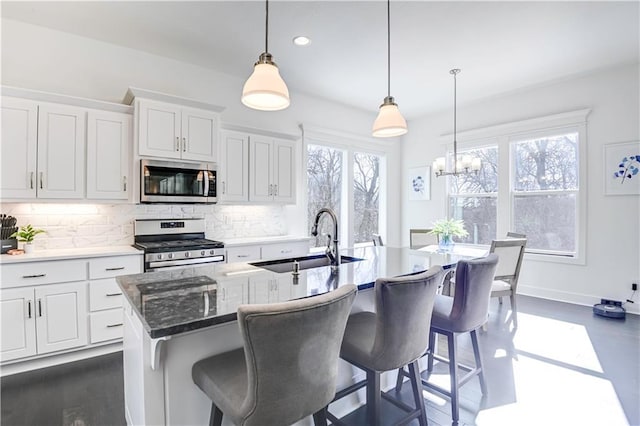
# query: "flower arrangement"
[[446, 229]]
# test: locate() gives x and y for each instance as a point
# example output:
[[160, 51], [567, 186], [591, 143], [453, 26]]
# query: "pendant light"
[[265, 90], [467, 164], [389, 121]]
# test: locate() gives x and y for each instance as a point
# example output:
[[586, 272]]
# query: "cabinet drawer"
[[282, 250], [243, 254], [35, 273], [106, 325], [107, 267], [104, 294]]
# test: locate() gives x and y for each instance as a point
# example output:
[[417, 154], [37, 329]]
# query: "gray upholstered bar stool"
[[288, 367], [392, 337], [466, 312]]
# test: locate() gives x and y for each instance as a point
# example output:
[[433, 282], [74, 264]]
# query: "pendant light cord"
[[455, 143], [388, 48], [266, 28]]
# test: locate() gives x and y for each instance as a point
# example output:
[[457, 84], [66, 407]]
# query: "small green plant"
[[26, 234], [449, 228]]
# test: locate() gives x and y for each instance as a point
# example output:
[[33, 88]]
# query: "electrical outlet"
[[634, 286], [610, 302]]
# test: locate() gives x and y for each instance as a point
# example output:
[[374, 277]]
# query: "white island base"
[[157, 372]]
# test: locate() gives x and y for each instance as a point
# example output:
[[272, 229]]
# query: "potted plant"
[[25, 235], [446, 229]]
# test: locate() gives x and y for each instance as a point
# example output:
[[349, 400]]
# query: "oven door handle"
[[186, 262], [206, 183]]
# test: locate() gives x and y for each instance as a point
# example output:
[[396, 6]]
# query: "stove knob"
[[170, 255], [202, 253], [187, 254], [159, 257], [211, 252]]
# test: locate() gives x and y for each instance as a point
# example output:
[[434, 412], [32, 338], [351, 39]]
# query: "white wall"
[[613, 222], [38, 58]]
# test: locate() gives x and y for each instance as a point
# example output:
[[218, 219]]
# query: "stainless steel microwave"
[[177, 182]]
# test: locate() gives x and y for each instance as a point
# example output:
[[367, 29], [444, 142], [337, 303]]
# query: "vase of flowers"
[[25, 235], [446, 229]]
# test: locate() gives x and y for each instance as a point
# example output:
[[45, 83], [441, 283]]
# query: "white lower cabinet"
[[106, 325], [269, 290], [230, 294], [39, 320], [267, 251]]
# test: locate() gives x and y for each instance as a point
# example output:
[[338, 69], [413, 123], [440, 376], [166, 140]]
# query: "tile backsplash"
[[94, 225]]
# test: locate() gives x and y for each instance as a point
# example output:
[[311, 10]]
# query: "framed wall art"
[[622, 168], [419, 183]]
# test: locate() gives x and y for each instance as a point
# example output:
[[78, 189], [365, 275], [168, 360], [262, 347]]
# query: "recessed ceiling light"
[[301, 41]]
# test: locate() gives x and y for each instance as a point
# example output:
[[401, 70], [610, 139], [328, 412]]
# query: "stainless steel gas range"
[[175, 243]]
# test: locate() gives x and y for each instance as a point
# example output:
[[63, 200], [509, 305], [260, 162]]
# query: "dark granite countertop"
[[181, 300]]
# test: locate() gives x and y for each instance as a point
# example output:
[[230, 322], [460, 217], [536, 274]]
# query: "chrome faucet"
[[332, 251]]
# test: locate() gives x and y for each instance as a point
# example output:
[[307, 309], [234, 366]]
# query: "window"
[[324, 174], [545, 191], [473, 198], [532, 181], [347, 174], [366, 192]]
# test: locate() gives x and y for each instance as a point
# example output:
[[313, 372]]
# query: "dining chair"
[[392, 337], [419, 238], [377, 240], [465, 312], [505, 283], [287, 367]]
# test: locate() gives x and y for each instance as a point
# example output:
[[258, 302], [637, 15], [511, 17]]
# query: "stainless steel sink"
[[304, 262]]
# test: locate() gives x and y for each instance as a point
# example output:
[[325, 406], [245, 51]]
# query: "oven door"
[[175, 182]]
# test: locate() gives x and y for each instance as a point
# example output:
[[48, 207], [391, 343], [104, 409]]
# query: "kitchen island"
[[174, 318]]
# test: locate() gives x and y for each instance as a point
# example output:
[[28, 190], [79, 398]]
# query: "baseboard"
[[567, 297], [43, 361]]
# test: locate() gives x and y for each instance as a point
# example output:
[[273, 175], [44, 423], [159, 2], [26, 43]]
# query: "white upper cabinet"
[[271, 170], [108, 155], [233, 170], [18, 148], [173, 131], [43, 148]]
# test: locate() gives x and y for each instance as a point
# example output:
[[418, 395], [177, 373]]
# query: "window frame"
[[505, 136]]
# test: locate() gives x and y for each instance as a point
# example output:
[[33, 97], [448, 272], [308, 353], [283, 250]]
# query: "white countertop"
[[72, 253], [264, 240]]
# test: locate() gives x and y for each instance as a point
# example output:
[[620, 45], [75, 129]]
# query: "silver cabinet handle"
[[224, 187], [275, 189], [285, 251], [41, 180], [29, 308], [114, 325], [113, 294], [224, 293], [124, 183], [270, 189], [34, 276], [243, 255], [31, 180], [117, 268], [39, 307], [184, 144], [177, 143]]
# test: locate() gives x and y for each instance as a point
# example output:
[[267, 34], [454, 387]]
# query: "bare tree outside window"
[[324, 173], [366, 191]]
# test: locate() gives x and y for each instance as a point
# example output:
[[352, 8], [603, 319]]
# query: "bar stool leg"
[[416, 385], [478, 357], [216, 416], [374, 398], [431, 351], [453, 373], [320, 417]]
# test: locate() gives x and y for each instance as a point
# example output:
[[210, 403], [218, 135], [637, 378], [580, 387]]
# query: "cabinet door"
[[284, 250], [61, 311], [199, 135], [243, 254], [61, 148], [158, 129], [284, 171], [18, 338], [18, 148], [260, 169], [108, 159], [234, 167], [260, 289], [230, 294]]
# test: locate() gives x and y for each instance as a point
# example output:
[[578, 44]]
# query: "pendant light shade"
[[389, 122], [265, 90]]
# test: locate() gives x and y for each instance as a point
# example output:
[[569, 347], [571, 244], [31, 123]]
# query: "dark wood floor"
[[561, 366]]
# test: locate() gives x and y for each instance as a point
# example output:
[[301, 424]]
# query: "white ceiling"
[[500, 46]]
